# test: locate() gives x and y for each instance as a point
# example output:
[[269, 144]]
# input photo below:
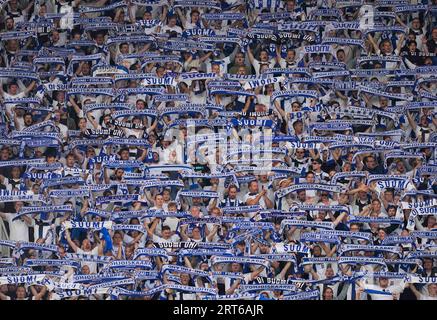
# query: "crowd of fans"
[[186, 149]]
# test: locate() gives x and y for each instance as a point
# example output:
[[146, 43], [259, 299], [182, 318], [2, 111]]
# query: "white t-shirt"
[[257, 65], [19, 230], [391, 289], [230, 281], [63, 129], [175, 28], [91, 265], [171, 222], [9, 106], [261, 202], [173, 238]]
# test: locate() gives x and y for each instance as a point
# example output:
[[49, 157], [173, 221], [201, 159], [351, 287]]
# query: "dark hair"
[[389, 190], [264, 50], [250, 182], [326, 289], [384, 41], [410, 42], [296, 122], [123, 149], [232, 186], [133, 219], [308, 173], [318, 160], [391, 207], [194, 11], [368, 157], [316, 246], [355, 224]]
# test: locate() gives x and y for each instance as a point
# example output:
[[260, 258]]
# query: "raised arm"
[[187, 262], [131, 10], [256, 273], [30, 88], [411, 121], [339, 218], [247, 103], [151, 230], [419, 225], [414, 290], [164, 14], [36, 295], [181, 17], [279, 109], [367, 100], [400, 42], [205, 56], [183, 233], [76, 107], [268, 202], [233, 287], [29, 6], [106, 175], [284, 270], [120, 252], [325, 248], [71, 242], [78, 155], [255, 201], [84, 207], [154, 124], [143, 154], [212, 233], [373, 43], [250, 55], [93, 121]]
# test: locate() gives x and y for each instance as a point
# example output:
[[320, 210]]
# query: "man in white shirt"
[[14, 93], [263, 60], [166, 234], [171, 25], [382, 290], [423, 129], [19, 228], [63, 129], [319, 175], [255, 197], [86, 248]]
